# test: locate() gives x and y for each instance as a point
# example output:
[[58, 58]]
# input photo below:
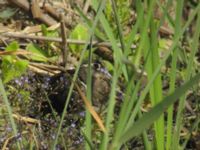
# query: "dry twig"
[[64, 42]]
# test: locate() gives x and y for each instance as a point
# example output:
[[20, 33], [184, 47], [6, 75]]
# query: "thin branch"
[[64, 42], [103, 49], [55, 39]]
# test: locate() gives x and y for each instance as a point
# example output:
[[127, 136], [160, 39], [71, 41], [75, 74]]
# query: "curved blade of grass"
[[118, 69], [91, 32], [144, 31], [179, 10], [119, 28], [156, 93], [88, 140], [146, 90], [195, 127], [110, 111], [117, 52], [165, 9], [118, 57], [189, 70], [131, 37], [88, 119], [98, 34], [9, 109], [147, 142], [91, 109], [148, 118], [127, 106], [165, 13]]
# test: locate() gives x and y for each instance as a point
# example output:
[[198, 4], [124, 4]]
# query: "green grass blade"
[[110, 112], [127, 106], [165, 9], [148, 118], [117, 52], [144, 31], [9, 109], [195, 127], [118, 69], [156, 89], [194, 48], [147, 143], [88, 119], [146, 90], [170, 110], [88, 22], [88, 140], [165, 14], [91, 32], [119, 28], [178, 21], [131, 37]]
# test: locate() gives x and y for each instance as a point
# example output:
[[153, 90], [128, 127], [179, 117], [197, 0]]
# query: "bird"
[[61, 82], [100, 83]]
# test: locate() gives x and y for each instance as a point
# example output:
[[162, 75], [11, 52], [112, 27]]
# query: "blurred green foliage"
[[80, 32], [122, 10], [12, 66]]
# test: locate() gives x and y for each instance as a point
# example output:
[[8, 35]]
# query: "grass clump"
[[148, 84]]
